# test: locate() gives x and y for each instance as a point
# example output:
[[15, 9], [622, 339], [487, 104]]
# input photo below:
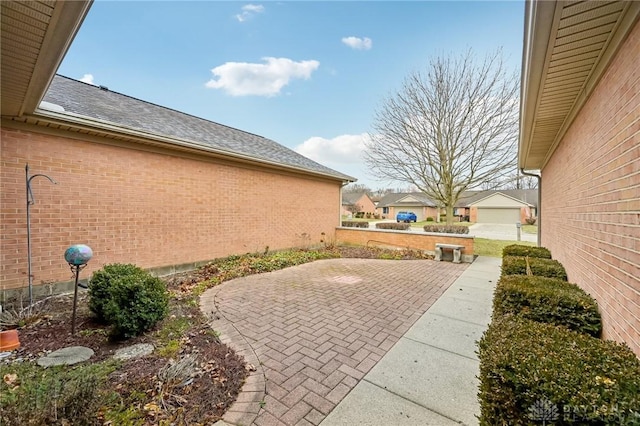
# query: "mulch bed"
[[202, 398]]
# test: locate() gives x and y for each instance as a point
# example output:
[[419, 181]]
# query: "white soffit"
[[567, 48], [35, 37]]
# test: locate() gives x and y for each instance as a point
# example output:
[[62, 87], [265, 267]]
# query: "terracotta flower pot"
[[9, 340]]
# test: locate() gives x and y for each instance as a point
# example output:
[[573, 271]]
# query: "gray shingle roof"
[[351, 197], [395, 199], [529, 196], [131, 113]]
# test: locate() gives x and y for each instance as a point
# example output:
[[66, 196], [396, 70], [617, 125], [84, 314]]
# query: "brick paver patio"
[[313, 331]]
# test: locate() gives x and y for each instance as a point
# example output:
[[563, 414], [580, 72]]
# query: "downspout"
[[539, 208]]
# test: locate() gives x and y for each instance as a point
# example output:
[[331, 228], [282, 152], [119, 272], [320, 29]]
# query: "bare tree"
[[357, 188], [449, 129], [513, 181], [353, 208]]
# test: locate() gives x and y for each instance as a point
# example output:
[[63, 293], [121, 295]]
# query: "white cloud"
[[343, 149], [248, 10], [267, 79], [87, 78], [358, 43]]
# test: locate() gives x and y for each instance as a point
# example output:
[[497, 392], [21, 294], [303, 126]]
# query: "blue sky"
[[306, 74]]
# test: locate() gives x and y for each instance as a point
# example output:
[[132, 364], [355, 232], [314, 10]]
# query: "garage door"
[[489, 215], [416, 210]]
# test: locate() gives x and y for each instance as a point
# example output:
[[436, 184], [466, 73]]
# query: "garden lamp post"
[[77, 256]]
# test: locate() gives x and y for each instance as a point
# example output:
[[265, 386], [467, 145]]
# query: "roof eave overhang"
[[83, 125], [24, 79], [539, 21], [538, 139]]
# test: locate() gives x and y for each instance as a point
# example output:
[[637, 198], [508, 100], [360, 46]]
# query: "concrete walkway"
[[336, 342]]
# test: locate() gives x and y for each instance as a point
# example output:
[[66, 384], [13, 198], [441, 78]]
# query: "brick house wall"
[[150, 207], [591, 196], [365, 203], [473, 215]]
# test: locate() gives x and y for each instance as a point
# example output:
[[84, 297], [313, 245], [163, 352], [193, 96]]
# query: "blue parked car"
[[406, 217]]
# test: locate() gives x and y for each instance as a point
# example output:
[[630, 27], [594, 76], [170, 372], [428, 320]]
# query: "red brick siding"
[[366, 206], [591, 197], [149, 208], [401, 239], [473, 215]]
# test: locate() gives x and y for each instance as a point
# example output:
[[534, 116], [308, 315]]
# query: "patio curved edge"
[[308, 360], [249, 401]]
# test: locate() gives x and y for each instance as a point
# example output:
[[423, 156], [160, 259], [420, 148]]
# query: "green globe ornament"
[[78, 254]]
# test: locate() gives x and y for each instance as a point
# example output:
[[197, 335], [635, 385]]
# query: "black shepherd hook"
[[30, 201]]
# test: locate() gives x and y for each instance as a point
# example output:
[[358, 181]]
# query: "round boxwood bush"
[[101, 283], [128, 298]]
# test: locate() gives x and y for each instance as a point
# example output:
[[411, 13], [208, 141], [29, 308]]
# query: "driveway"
[[497, 231], [313, 331]]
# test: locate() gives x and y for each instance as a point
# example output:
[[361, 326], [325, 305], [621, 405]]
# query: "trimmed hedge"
[[391, 225], [354, 224], [532, 372], [447, 229], [520, 250], [515, 265], [548, 300]]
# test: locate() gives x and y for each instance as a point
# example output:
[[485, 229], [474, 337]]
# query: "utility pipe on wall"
[[539, 209]]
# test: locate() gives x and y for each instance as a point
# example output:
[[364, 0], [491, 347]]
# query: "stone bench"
[[457, 251]]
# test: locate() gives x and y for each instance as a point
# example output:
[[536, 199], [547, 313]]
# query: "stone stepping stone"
[[134, 351], [66, 356]]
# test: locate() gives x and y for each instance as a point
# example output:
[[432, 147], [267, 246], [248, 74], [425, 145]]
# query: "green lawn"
[[493, 248], [530, 229]]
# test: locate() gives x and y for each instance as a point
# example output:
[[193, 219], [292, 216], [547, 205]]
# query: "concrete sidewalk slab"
[[427, 376], [461, 309], [368, 404], [451, 335]]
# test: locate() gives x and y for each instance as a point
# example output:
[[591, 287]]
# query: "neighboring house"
[[415, 202], [353, 202], [580, 127], [497, 206], [137, 182]]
